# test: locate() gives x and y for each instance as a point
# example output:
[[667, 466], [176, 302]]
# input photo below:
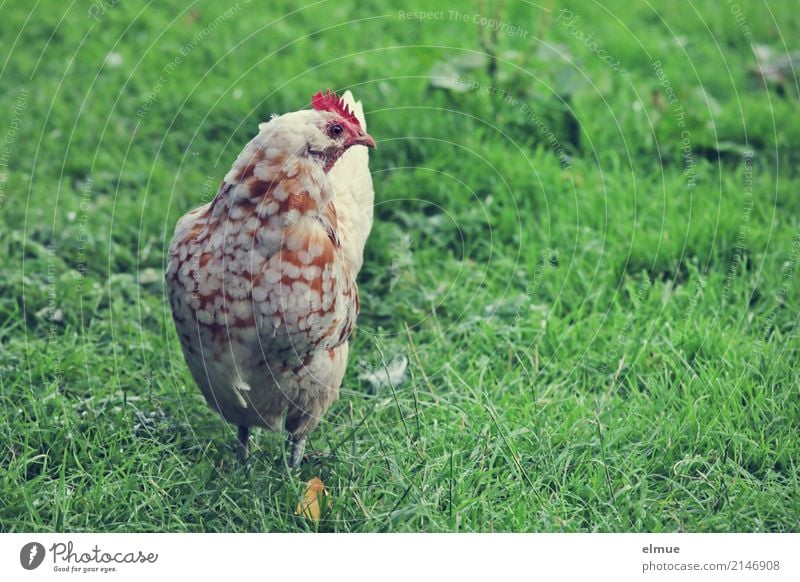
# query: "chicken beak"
[[364, 139]]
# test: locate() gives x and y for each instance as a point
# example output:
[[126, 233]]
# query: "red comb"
[[332, 102]]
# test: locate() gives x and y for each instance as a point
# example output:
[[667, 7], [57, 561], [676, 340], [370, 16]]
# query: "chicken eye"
[[336, 130]]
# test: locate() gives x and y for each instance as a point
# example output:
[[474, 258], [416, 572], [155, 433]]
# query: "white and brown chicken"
[[262, 280]]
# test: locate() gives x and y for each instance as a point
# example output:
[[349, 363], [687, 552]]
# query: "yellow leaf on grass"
[[309, 505]]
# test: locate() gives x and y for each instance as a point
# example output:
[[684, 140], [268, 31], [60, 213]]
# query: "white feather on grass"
[[390, 375]]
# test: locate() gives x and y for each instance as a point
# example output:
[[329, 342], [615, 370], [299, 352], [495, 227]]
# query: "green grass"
[[596, 342]]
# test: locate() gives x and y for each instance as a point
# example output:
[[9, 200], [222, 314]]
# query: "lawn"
[[586, 249]]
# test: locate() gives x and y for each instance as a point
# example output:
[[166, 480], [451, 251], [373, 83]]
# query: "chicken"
[[262, 280]]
